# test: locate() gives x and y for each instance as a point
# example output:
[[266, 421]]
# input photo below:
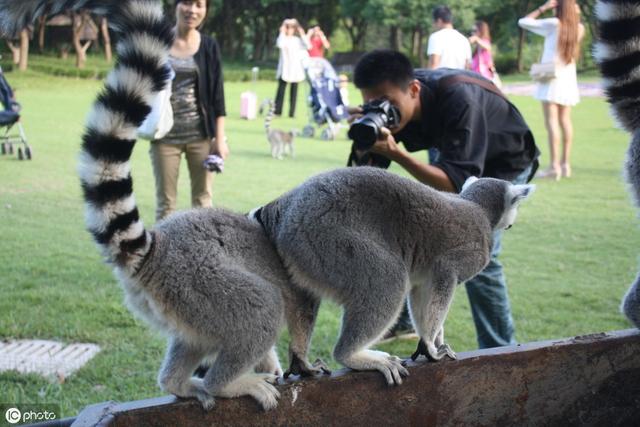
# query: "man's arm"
[[434, 61], [423, 172]]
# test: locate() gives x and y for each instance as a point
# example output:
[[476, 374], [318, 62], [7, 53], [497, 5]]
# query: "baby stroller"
[[324, 100], [10, 118]]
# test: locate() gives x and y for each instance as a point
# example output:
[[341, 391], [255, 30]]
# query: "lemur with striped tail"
[[618, 55], [281, 141], [209, 279]]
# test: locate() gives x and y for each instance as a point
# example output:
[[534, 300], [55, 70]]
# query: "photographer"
[[477, 133]]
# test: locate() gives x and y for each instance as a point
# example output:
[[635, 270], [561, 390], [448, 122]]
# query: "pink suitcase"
[[248, 105]]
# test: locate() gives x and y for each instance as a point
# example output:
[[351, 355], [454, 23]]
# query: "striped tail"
[[271, 112], [618, 55], [144, 39]]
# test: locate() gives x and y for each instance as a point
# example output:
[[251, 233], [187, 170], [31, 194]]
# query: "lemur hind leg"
[[429, 304], [301, 311], [231, 376], [176, 377], [269, 364], [364, 321]]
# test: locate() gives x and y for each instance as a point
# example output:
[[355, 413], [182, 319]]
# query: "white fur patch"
[[97, 219], [111, 123], [94, 172], [131, 81], [612, 12], [605, 51], [150, 11], [145, 44]]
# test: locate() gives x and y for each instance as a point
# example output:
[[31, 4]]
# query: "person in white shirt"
[[447, 48], [293, 54]]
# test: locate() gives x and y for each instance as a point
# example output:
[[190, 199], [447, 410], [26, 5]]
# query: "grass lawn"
[[568, 260]]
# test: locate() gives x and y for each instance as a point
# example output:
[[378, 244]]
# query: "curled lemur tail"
[[144, 40], [618, 55]]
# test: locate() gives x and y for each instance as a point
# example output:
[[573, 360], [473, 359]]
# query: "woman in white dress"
[[562, 35], [293, 45]]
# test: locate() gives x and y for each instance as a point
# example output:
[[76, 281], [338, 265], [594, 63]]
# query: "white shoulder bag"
[[160, 120]]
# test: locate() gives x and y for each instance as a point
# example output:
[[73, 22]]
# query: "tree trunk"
[[395, 38], [106, 39], [81, 49], [42, 25], [15, 52], [519, 58], [24, 50], [521, 39]]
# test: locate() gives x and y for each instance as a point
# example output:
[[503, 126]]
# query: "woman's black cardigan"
[[210, 83]]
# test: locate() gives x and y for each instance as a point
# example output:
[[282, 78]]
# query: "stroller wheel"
[[327, 135], [3, 148], [27, 153], [308, 131], [9, 148], [20, 154]]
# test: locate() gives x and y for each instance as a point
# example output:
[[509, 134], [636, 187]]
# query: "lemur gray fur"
[[209, 279], [367, 238], [618, 55], [212, 280]]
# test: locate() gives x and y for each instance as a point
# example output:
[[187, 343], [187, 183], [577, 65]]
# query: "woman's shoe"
[[550, 173], [566, 170]]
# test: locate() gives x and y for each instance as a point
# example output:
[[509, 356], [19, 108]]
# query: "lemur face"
[[500, 198], [514, 195]]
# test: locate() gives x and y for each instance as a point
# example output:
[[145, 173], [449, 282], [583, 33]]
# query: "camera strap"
[[463, 78]]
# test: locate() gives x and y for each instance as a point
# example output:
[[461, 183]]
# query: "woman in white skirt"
[[562, 35]]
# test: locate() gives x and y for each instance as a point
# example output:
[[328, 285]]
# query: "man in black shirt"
[[477, 133]]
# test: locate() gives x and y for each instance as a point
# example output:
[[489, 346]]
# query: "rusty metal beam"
[[586, 380]]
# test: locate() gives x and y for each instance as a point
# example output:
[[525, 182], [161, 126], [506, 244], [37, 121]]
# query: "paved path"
[[591, 89]]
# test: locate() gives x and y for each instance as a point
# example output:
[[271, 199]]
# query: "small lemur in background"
[[281, 141], [618, 55]]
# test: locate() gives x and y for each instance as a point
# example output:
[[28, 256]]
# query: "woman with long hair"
[[293, 44], [562, 35], [482, 60], [197, 99]]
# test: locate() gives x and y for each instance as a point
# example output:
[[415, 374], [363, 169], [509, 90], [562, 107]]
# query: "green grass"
[[568, 259]]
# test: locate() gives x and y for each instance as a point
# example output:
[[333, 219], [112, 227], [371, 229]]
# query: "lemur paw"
[[303, 368], [393, 370], [206, 400], [432, 353], [258, 386]]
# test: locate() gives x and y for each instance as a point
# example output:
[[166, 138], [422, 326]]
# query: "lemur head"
[[499, 198]]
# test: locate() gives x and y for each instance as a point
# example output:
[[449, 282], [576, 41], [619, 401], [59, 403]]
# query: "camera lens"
[[364, 133]]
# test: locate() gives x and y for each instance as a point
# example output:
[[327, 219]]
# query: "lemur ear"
[[468, 182], [521, 192]]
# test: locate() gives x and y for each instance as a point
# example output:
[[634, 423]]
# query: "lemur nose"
[[509, 226]]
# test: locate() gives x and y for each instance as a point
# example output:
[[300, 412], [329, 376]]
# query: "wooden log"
[[586, 380]]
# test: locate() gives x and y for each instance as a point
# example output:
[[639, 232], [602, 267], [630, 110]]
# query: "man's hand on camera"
[[386, 145], [354, 113]]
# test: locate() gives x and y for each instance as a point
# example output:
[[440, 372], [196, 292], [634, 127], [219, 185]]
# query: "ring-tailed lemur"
[[281, 141], [358, 235], [208, 278], [618, 55]]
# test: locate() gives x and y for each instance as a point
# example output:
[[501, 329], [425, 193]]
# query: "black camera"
[[377, 114]]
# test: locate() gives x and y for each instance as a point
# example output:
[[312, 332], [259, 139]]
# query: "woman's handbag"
[[543, 71], [160, 120]]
